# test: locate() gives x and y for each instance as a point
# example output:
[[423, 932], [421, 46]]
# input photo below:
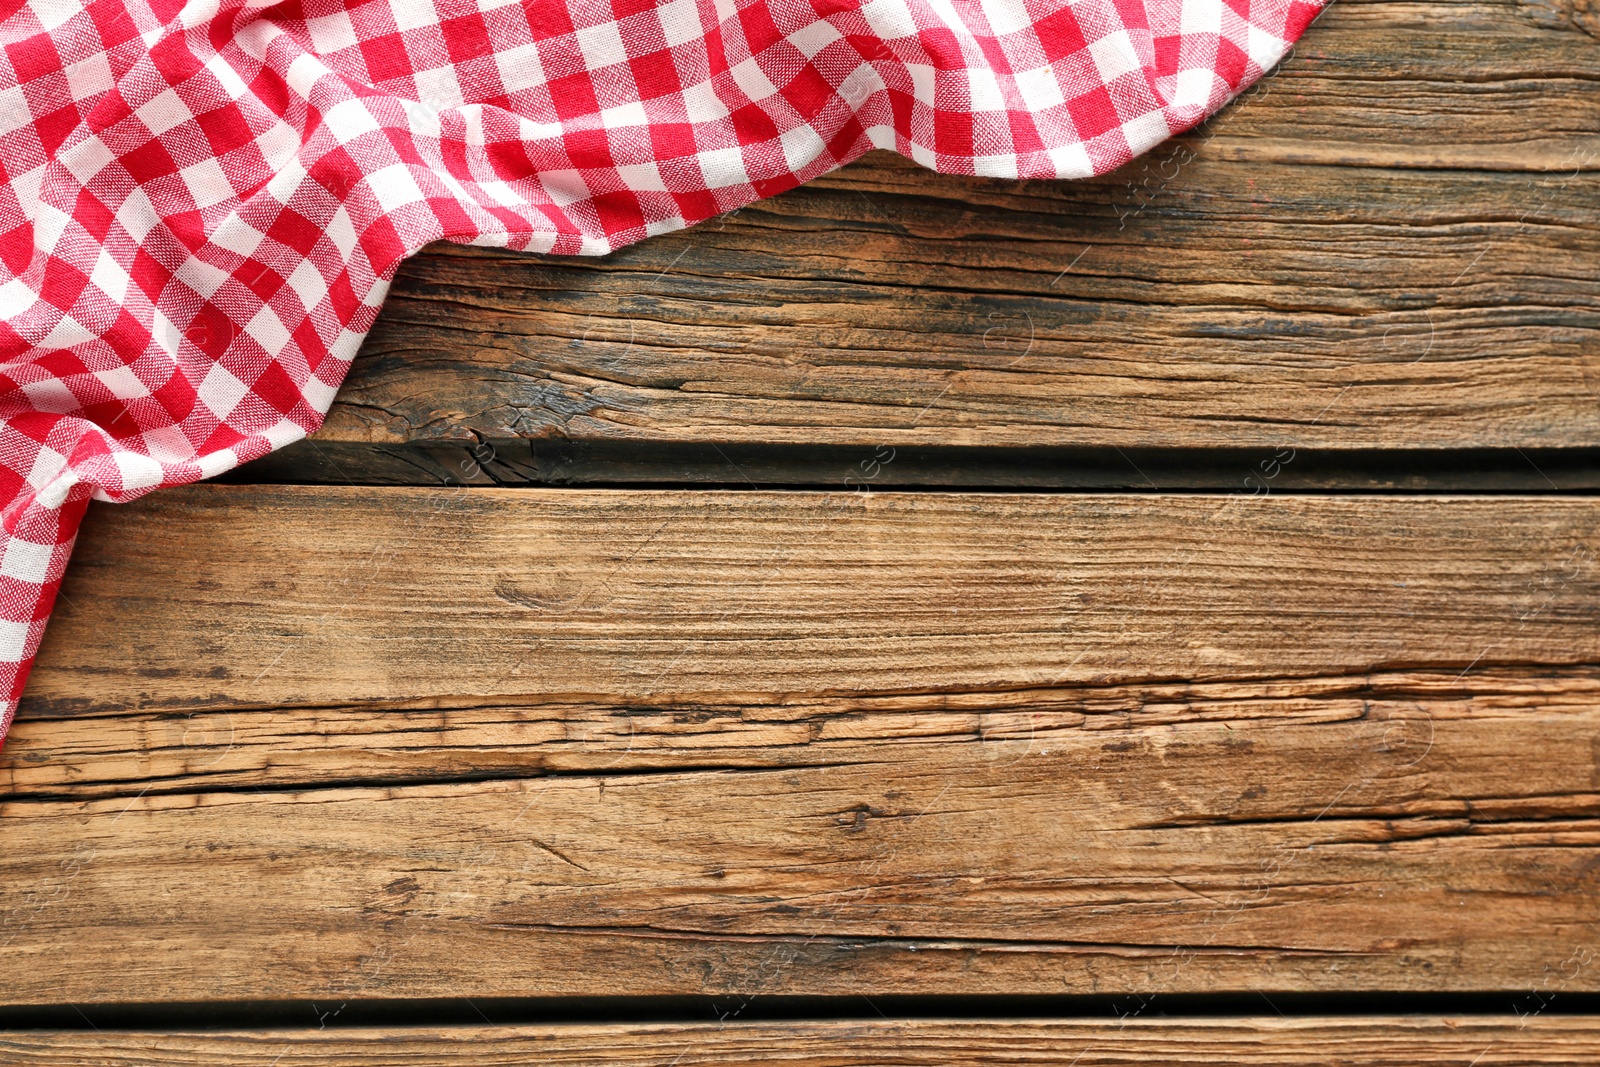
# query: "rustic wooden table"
[[913, 620]]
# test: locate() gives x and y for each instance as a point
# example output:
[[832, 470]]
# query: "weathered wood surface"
[[1372, 717], [1432, 836], [233, 596], [1446, 847], [396, 743], [1394, 242], [308, 743], [1374, 1042]]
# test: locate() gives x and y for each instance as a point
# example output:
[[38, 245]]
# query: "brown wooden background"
[[911, 620]]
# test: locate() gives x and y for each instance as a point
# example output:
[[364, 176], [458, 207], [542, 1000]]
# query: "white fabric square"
[[642, 177], [137, 471], [1262, 47], [90, 77], [1200, 16], [613, 118], [85, 160], [214, 463], [801, 147], [1114, 56], [995, 166], [268, 330], [50, 394], [440, 90], [208, 183], [520, 67], [1195, 87], [349, 119], [1040, 89], [812, 39], [723, 167], [137, 216], [14, 111], [889, 19], [26, 561], [702, 104], [16, 296], [983, 90], [238, 236], [164, 111], [332, 32], [123, 383], [13, 639], [220, 391], [394, 187], [342, 232], [1146, 131], [1006, 16], [564, 186], [752, 80], [308, 284], [602, 46], [47, 463], [413, 14], [680, 22]]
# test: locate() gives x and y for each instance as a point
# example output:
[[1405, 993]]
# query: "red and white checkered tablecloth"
[[203, 203]]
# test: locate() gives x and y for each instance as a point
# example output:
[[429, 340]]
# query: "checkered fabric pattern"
[[202, 203]]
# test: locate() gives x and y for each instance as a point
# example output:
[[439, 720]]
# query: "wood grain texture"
[[343, 744], [1417, 852], [140, 753], [1391, 243], [400, 743], [234, 596], [1549, 1041]]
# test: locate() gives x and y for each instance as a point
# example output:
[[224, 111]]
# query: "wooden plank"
[[1417, 852], [235, 596], [1389, 244], [807, 744], [1354, 1042], [139, 753], [1254, 305], [1427, 84]]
